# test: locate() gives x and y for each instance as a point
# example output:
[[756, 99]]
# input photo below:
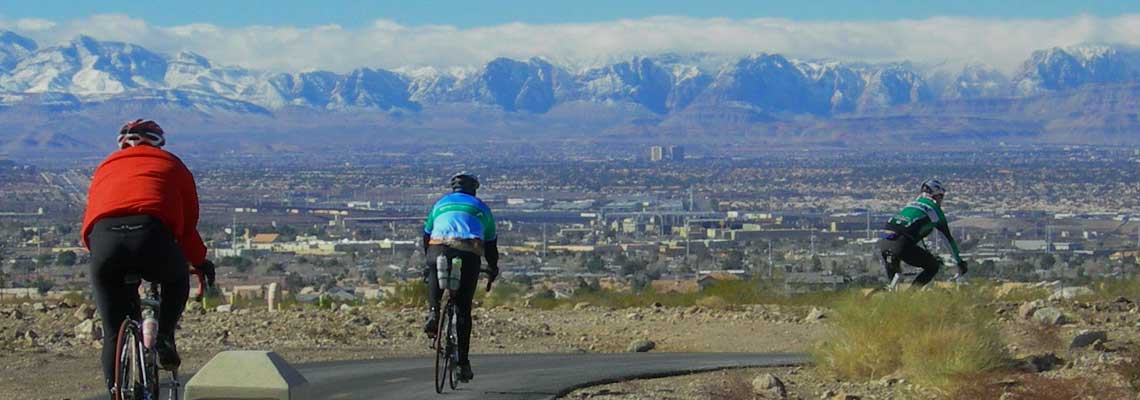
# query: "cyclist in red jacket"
[[141, 218]]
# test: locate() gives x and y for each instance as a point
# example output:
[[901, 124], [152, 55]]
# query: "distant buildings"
[[673, 153]]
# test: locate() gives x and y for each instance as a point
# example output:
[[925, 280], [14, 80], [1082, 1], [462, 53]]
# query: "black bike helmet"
[[464, 182], [933, 187]]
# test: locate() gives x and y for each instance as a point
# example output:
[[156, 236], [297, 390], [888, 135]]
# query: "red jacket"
[[147, 180]]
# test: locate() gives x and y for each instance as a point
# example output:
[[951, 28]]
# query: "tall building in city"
[[656, 153], [676, 153]]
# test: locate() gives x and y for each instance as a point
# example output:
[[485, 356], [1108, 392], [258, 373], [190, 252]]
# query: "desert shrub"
[[930, 336], [412, 293]]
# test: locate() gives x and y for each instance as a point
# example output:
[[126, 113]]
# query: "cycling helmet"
[[933, 187], [464, 182], [141, 132]]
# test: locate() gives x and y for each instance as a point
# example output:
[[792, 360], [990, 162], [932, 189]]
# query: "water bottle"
[[442, 272], [457, 272], [150, 330]]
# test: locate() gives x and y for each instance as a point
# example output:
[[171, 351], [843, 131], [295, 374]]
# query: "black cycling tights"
[[468, 280], [142, 245], [903, 250]]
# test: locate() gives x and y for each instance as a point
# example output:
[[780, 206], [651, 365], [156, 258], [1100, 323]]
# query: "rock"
[[1071, 292], [345, 308], [224, 308], [581, 306], [17, 314], [845, 396], [633, 317], [816, 314], [84, 312], [641, 346], [1025, 311], [39, 307], [308, 290], [1050, 316], [271, 295], [1086, 338], [88, 329], [31, 335], [769, 385], [1042, 362]]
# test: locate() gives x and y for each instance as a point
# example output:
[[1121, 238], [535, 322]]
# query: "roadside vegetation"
[[931, 337]]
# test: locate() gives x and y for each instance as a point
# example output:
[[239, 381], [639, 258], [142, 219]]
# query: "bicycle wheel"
[[128, 371], [452, 346], [442, 356]]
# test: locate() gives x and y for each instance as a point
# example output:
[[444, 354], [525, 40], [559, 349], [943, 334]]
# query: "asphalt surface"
[[517, 376]]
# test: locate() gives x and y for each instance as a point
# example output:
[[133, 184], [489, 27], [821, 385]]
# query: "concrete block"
[[247, 374]]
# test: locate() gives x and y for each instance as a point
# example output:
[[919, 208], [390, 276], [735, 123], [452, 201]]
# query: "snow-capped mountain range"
[[87, 71]]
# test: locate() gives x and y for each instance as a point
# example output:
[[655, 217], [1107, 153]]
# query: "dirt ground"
[[56, 363]]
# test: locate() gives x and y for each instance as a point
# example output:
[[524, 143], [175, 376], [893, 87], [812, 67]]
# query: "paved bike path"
[[516, 376]]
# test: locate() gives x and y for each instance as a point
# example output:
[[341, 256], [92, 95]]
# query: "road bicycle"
[[446, 341], [136, 360]]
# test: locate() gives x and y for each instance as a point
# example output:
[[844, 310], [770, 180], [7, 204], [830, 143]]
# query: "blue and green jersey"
[[460, 216]]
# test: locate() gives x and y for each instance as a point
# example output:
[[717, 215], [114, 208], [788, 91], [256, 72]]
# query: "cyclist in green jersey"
[[904, 232]]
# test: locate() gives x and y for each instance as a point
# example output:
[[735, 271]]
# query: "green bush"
[[930, 336]]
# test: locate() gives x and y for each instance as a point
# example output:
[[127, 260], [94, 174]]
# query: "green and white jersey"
[[919, 218]]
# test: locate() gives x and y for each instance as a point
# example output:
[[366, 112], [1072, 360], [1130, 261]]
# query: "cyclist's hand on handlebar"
[[962, 268], [209, 270], [492, 272]]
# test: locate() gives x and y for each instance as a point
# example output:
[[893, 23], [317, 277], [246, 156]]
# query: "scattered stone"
[[581, 306], [17, 314], [195, 307], [224, 308], [39, 307], [84, 312], [816, 314], [1050, 316], [345, 308], [1071, 292], [633, 317], [1042, 362], [1086, 338], [88, 329], [1025, 311], [768, 384], [641, 346], [845, 396]]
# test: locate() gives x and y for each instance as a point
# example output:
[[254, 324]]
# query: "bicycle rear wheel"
[[128, 368], [442, 354]]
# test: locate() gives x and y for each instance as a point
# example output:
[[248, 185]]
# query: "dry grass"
[[1034, 387], [930, 336], [1130, 370]]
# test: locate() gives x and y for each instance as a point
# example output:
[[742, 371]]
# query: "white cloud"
[[1001, 43]]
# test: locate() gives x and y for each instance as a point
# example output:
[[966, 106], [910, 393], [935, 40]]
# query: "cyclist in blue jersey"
[[459, 226]]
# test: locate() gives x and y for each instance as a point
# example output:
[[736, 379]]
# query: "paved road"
[[518, 376]]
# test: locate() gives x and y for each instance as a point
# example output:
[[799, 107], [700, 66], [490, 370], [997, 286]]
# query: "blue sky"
[[474, 13]]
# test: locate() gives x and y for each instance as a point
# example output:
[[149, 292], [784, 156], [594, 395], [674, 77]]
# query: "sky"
[[469, 13], [294, 35]]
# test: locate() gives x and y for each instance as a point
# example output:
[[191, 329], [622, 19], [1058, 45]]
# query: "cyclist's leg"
[[920, 257], [113, 297], [888, 251], [469, 283], [164, 263]]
